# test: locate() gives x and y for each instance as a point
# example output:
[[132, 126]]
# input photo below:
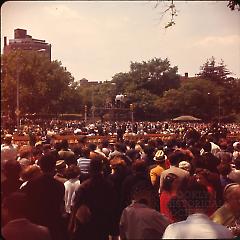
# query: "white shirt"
[[9, 152], [70, 187], [197, 226]]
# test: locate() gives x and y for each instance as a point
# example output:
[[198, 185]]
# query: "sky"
[[97, 39]]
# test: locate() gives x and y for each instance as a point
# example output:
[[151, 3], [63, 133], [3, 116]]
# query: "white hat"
[[160, 156], [185, 165]]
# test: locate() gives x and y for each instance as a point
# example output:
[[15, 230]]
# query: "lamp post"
[[132, 116], [17, 112]]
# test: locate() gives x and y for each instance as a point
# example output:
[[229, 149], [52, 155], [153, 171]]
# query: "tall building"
[[25, 42]]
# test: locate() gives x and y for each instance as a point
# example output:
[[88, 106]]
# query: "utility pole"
[[132, 116], [85, 114]]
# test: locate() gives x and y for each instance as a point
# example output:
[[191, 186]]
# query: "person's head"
[[170, 182], [47, 163], [8, 139], [160, 157], [83, 140], [30, 172], [138, 148], [143, 193], [149, 150], [92, 147], [11, 169], [223, 144], [77, 151], [207, 147], [25, 151], [60, 167], [224, 169], [133, 154], [236, 146], [232, 197], [202, 176], [105, 143], [72, 171], [117, 164], [16, 205], [96, 165], [185, 166], [64, 144], [85, 152], [176, 157], [237, 163], [197, 197], [139, 166]]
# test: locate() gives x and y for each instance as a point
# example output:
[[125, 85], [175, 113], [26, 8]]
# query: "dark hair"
[[70, 159], [168, 181], [224, 169], [207, 147], [12, 169], [139, 165], [142, 186], [72, 171], [86, 152], [77, 151], [105, 143], [47, 162], [196, 194], [149, 150], [92, 146], [64, 144], [133, 154], [176, 157], [96, 165]]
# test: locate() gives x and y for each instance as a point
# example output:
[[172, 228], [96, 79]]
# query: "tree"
[[171, 10], [234, 4], [198, 97], [44, 86], [216, 73], [155, 75]]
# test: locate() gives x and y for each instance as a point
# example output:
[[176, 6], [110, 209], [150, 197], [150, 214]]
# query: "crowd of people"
[[179, 188]]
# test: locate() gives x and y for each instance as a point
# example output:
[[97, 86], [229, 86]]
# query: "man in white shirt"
[[197, 225], [9, 150]]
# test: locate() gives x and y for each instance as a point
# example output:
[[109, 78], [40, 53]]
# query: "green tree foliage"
[[215, 72], [155, 76], [44, 86], [198, 97]]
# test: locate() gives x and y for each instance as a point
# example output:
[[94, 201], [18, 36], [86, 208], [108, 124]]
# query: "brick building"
[[22, 41]]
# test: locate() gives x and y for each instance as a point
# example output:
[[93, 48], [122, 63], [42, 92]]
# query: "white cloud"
[[219, 40], [61, 10]]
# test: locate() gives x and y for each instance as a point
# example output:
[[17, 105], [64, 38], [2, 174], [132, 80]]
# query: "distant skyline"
[[97, 39]]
